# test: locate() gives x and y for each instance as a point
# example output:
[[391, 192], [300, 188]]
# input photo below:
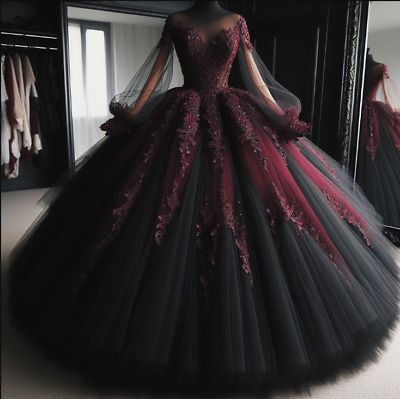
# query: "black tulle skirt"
[[142, 315]]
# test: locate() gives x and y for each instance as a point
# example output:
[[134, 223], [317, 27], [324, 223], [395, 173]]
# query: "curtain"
[[89, 98]]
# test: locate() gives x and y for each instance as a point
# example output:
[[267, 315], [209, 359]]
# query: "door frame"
[[355, 48]]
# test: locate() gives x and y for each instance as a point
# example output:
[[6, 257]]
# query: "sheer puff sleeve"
[[280, 105], [145, 89]]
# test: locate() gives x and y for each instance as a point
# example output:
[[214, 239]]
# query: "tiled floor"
[[27, 375]]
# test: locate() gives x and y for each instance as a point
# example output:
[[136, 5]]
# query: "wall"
[[384, 46]]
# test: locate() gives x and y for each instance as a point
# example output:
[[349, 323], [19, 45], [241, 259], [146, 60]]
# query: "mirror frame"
[[352, 83]]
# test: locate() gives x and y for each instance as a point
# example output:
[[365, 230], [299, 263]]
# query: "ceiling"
[[86, 11], [109, 16]]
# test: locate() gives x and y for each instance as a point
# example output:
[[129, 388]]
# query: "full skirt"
[[201, 252]]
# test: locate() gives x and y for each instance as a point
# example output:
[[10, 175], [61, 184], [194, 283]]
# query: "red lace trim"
[[127, 196], [375, 115], [235, 221], [372, 145], [321, 158], [187, 142], [244, 32], [348, 215], [292, 211], [247, 133], [207, 232]]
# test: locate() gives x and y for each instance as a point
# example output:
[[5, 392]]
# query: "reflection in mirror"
[[378, 160], [105, 50]]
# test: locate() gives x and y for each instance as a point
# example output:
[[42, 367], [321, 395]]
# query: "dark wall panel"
[[302, 43]]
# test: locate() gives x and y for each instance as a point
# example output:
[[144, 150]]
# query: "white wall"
[[385, 47], [131, 44]]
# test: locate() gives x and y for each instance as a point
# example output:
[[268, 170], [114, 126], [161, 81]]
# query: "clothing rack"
[[36, 29], [32, 172], [26, 46], [20, 39]]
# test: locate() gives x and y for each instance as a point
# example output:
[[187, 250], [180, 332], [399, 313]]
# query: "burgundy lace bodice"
[[206, 60]]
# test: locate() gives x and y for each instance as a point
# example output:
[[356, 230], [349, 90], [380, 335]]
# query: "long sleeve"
[[146, 88], [280, 105]]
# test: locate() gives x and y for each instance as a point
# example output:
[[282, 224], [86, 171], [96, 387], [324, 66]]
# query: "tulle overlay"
[[202, 250]]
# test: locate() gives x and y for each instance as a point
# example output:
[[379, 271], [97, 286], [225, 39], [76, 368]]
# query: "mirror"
[[377, 167], [105, 50]]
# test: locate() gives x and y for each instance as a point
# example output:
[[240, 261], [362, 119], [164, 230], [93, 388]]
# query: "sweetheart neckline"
[[180, 24]]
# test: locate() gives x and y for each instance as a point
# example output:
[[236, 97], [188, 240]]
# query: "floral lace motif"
[[223, 212], [321, 158], [127, 195], [372, 145], [247, 133], [377, 115], [235, 221], [245, 36], [291, 210], [207, 231], [294, 127], [347, 215], [187, 141]]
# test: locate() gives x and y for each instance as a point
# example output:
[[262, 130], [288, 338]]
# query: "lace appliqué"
[[207, 232], [186, 145], [127, 195], [235, 221], [247, 134], [322, 159], [372, 145], [244, 33], [294, 127], [223, 212], [347, 215], [290, 210], [377, 114]]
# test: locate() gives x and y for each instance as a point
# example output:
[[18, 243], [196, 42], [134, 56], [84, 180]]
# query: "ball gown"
[[379, 153], [206, 244]]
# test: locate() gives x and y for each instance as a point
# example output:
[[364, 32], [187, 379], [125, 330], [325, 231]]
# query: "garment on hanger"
[[5, 125], [22, 113], [30, 97], [15, 112], [22, 87]]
